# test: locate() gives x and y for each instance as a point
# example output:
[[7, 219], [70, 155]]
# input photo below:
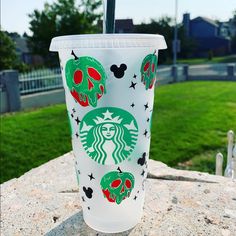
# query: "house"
[[210, 36], [22, 49], [121, 25], [232, 27], [23, 52], [124, 26]]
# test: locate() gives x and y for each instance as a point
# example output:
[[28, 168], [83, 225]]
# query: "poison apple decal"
[[117, 186], [86, 79], [88, 192], [148, 70], [142, 160]]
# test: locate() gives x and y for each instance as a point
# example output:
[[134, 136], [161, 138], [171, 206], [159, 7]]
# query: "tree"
[[163, 27], [8, 58], [188, 44], [61, 18]]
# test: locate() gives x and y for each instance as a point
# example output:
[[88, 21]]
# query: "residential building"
[[211, 37]]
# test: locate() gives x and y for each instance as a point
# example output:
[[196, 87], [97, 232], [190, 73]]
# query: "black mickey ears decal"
[[142, 160], [119, 72], [88, 192]]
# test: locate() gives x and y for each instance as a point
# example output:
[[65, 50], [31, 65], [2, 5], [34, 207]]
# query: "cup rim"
[[107, 41]]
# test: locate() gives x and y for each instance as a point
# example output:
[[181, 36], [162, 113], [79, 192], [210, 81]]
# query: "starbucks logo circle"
[[108, 135]]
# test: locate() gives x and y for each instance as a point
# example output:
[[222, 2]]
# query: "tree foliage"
[[164, 26], [8, 58], [61, 18]]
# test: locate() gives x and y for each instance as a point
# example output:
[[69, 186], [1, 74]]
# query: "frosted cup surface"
[[109, 82]]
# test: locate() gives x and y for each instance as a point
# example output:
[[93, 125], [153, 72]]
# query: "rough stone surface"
[[45, 201]]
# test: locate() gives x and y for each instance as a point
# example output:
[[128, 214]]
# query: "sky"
[[14, 13]]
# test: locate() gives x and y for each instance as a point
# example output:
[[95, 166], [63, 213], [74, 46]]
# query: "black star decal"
[[132, 105], [91, 176], [72, 115], [88, 208], [73, 110], [133, 85], [135, 197], [83, 199], [76, 135], [77, 120], [135, 76], [146, 106], [148, 119], [145, 133], [143, 173]]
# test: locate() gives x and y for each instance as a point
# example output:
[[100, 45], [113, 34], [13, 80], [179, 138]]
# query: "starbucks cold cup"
[[109, 82]]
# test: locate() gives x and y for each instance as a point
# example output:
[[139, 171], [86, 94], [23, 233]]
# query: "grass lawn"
[[190, 123], [194, 61]]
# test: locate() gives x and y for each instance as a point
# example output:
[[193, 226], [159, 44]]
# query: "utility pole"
[[175, 46]]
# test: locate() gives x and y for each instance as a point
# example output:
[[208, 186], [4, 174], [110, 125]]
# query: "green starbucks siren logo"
[[148, 70], [117, 186], [86, 79], [108, 135]]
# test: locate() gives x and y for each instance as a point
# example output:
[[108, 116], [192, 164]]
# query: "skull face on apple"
[[117, 186], [148, 70], [86, 79]]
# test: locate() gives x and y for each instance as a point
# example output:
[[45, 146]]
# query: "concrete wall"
[[3, 101]]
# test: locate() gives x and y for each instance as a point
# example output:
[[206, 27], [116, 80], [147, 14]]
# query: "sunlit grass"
[[189, 127]]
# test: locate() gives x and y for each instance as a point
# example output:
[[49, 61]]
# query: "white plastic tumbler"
[[109, 82]]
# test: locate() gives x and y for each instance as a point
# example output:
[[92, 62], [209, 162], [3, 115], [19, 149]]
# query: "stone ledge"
[[45, 201]]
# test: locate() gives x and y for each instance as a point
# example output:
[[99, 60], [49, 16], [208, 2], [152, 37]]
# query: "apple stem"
[[73, 54], [119, 169]]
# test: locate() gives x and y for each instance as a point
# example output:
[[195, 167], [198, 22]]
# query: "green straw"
[[109, 16]]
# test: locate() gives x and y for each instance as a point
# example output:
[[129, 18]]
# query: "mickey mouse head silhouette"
[[118, 71]]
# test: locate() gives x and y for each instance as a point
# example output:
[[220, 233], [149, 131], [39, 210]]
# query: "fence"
[[40, 80], [170, 74], [15, 88], [49, 79]]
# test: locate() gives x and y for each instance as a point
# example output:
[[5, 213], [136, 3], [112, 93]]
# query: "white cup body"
[[110, 136]]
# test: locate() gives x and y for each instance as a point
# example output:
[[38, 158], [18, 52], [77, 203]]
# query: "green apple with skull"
[[148, 70], [86, 79], [116, 186]]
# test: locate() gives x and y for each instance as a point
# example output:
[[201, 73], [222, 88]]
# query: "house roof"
[[124, 23], [210, 21]]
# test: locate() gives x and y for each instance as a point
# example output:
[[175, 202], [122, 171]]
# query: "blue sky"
[[14, 12]]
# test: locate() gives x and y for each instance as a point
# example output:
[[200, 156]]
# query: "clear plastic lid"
[[108, 41]]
